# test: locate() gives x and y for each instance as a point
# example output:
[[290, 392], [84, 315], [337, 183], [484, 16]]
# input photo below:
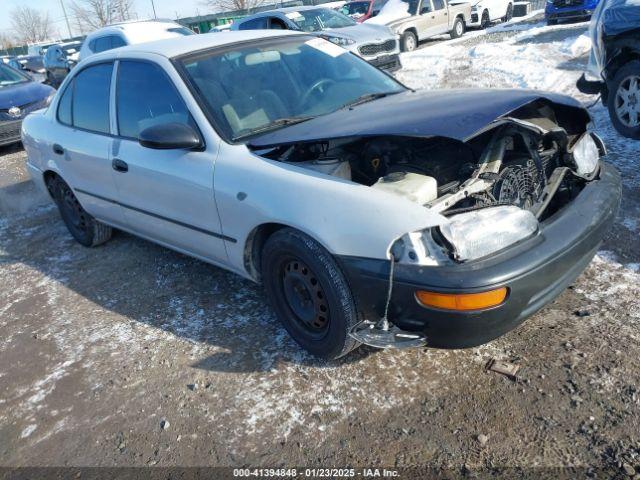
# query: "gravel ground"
[[130, 354]]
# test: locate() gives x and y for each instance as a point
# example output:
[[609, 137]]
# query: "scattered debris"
[[629, 470], [582, 313], [482, 439], [504, 368], [164, 424]]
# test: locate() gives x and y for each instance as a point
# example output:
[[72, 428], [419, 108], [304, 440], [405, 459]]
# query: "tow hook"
[[384, 334]]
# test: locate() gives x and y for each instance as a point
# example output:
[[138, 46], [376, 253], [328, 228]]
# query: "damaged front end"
[[495, 188]]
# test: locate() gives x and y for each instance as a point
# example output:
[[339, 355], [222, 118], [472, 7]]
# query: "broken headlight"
[[586, 155], [479, 233]]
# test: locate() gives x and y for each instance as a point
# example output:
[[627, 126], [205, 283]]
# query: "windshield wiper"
[[277, 123], [366, 98]]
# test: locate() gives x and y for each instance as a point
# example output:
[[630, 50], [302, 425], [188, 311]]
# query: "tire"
[[409, 41], [49, 78], [623, 100], [309, 294], [485, 20], [81, 225], [550, 22], [509, 15], [458, 28]]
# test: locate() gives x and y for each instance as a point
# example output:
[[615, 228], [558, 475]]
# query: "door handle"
[[57, 149], [119, 165]]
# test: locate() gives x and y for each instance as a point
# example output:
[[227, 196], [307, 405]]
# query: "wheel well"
[[50, 175], [625, 56], [412, 30], [253, 247], [461, 17]]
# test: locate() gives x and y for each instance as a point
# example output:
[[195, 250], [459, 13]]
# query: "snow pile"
[[393, 10]]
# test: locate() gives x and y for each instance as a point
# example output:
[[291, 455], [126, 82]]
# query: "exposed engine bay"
[[536, 160]]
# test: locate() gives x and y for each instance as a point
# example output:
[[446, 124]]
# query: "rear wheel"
[[83, 227], [309, 293], [409, 42], [624, 100], [551, 22], [458, 28]]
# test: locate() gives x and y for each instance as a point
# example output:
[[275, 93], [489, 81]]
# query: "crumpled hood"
[[23, 94], [457, 114]]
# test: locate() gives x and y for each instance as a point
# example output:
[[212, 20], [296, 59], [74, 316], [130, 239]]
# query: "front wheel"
[[458, 28], [624, 100], [409, 42], [83, 227], [551, 22], [509, 15], [309, 293]]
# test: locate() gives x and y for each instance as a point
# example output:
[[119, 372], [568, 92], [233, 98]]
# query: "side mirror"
[[169, 136]]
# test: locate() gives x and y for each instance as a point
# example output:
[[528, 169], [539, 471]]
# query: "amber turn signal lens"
[[462, 301]]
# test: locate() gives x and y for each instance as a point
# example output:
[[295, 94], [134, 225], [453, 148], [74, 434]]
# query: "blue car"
[[559, 10], [19, 96]]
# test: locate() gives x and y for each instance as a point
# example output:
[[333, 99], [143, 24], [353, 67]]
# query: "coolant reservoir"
[[417, 188], [329, 166]]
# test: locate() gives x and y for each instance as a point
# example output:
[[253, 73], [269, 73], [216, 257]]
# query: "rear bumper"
[[535, 271]]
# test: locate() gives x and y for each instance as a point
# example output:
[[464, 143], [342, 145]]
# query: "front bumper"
[[390, 63], [10, 132], [536, 271], [568, 14]]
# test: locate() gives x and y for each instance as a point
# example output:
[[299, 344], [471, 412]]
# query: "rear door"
[[166, 195], [83, 140], [441, 17]]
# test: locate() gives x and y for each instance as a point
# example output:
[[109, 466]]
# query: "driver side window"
[[426, 7]]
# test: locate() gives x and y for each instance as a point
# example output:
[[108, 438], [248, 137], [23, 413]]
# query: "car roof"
[[140, 30], [173, 47]]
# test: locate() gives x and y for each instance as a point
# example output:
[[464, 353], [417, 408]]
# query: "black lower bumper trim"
[[536, 271]]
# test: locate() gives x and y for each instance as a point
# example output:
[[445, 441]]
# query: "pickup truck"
[[416, 20]]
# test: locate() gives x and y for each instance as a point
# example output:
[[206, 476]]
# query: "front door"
[[166, 195], [441, 17]]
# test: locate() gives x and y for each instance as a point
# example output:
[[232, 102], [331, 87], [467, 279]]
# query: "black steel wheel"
[[83, 227], [309, 293]]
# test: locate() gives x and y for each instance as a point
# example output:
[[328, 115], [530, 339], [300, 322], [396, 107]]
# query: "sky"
[[164, 9]]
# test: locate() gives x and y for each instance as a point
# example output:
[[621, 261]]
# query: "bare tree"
[[229, 5], [6, 41], [31, 25], [98, 13]]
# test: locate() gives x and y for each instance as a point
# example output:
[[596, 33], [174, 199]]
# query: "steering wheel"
[[323, 82]]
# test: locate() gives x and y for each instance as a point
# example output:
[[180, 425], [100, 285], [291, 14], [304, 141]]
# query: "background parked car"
[[375, 43], [29, 63], [129, 33], [38, 49], [559, 10], [5, 58], [19, 95], [362, 10], [416, 20], [614, 64], [483, 12], [59, 60]]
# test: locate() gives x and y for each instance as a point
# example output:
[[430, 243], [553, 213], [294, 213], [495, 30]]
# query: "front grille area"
[[387, 62], [474, 18], [10, 132], [567, 3], [377, 48], [24, 110]]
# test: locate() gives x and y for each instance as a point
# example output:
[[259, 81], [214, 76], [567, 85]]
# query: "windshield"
[[181, 31], [356, 8], [250, 89], [318, 19], [10, 76]]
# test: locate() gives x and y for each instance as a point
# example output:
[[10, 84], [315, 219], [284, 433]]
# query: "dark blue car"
[[559, 10], [19, 95]]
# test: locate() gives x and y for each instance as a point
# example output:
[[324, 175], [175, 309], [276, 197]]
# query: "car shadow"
[[156, 287]]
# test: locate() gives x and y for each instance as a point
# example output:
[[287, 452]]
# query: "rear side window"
[[438, 4], [146, 97], [255, 24], [64, 106], [117, 42], [90, 104], [102, 44]]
